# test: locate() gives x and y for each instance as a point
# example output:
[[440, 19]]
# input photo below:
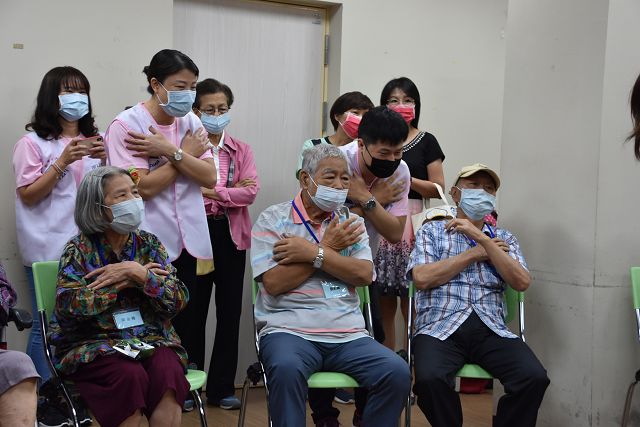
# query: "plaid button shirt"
[[440, 311]]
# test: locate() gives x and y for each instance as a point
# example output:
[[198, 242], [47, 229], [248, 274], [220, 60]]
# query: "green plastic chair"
[[514, 302], [317, 379], [635, 292], [45, 276]]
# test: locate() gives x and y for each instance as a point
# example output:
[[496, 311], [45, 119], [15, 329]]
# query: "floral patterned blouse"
[[82, 326]]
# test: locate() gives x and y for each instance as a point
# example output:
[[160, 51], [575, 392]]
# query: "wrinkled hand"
[[358, 191], [210, 193], [156, 269], [387, 191], [154, 144], [98, 151], [292, 250], [72, 152], [247, 182], [196, 143], [339, 236], [121, 275], [466, 227]]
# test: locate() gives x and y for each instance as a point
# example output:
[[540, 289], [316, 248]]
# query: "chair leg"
[[627, 404], [72, 408], [243, 402], [198, 400]]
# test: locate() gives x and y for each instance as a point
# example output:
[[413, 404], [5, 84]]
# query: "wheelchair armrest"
[[21, 318]]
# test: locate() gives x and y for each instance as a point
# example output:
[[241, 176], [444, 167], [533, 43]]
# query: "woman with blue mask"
[[227, 208], [49, 163], [164, 144]]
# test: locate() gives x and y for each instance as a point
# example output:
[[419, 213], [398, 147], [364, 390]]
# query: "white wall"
[[453, 50], [110, 42], [569, 193]]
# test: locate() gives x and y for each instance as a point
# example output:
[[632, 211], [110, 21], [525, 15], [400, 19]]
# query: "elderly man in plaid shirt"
[[461, 268]]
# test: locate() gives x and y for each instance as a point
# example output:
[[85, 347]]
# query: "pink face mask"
[[351, 125], [408, 112]]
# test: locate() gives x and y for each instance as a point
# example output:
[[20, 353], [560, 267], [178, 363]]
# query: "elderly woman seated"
[[115, 297], [18, 376]]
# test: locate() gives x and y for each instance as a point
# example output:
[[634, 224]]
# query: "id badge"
[[127, 318], [333, 290]]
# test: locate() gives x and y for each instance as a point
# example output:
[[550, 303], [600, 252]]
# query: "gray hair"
[[311, 157], [89, 213]]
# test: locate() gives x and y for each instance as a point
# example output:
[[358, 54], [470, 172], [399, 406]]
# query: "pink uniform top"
[[176, 215], [44, 228], [236, 161], [399, 208]]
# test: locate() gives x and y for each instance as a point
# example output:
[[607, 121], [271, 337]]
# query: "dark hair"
[[634, 101], [208, 86], [168, 62], [409, 88], [346, 102], [46, 118], [383, 125]]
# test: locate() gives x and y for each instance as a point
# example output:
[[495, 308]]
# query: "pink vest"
[[176, 215], [46, 227]]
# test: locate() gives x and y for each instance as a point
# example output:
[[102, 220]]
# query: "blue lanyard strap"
[[306, 224], [100, 249], [473, 242]]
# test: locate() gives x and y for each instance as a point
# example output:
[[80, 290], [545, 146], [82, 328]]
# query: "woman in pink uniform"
[[49, 163], [162, 142]]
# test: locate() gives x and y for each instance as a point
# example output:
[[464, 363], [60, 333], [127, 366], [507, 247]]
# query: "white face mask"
[[327, 198], [127, 215]]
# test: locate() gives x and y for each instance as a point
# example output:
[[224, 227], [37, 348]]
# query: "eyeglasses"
[[213, 111]]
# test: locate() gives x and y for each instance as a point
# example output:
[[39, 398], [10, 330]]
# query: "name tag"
[[127, 318], [333, 290]]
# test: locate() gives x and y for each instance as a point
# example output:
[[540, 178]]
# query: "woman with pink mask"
[[423, 155], [345, 116]]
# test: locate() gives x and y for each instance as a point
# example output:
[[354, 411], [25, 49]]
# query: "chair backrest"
[[635, 286], [45, 278]]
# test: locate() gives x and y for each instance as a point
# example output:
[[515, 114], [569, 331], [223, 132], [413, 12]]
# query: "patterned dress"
[[82, 326]]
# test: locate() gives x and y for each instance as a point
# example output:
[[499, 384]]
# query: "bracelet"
[[59, 170]]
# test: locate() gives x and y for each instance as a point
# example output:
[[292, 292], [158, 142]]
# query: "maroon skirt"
[[114, 387]]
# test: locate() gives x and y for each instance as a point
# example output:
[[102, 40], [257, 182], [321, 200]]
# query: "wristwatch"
[[177, 156], [369, 204], [319, 259]]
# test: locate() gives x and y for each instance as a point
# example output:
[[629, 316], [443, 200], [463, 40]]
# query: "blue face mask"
[[476, 203], [215, 124], [179, 102], [74, 106], [328, 199]]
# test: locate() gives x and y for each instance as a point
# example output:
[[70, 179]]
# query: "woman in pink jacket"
[[230, 231]]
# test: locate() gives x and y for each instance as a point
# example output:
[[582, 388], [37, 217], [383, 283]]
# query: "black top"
[[423, 150]]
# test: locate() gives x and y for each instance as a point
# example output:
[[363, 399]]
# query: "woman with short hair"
[[227, 208], [116, 286], [345, 115]]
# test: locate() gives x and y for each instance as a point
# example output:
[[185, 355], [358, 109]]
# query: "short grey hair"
[[311, 157], [89, 213]]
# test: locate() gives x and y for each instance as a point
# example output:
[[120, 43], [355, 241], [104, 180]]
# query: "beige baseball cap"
[[467, 171]]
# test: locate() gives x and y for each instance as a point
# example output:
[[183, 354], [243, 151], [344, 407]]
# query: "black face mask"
[[382, 168]]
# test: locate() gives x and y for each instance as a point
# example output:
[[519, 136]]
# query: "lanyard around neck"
[[306, 223], [100, 249], [473, 242]]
